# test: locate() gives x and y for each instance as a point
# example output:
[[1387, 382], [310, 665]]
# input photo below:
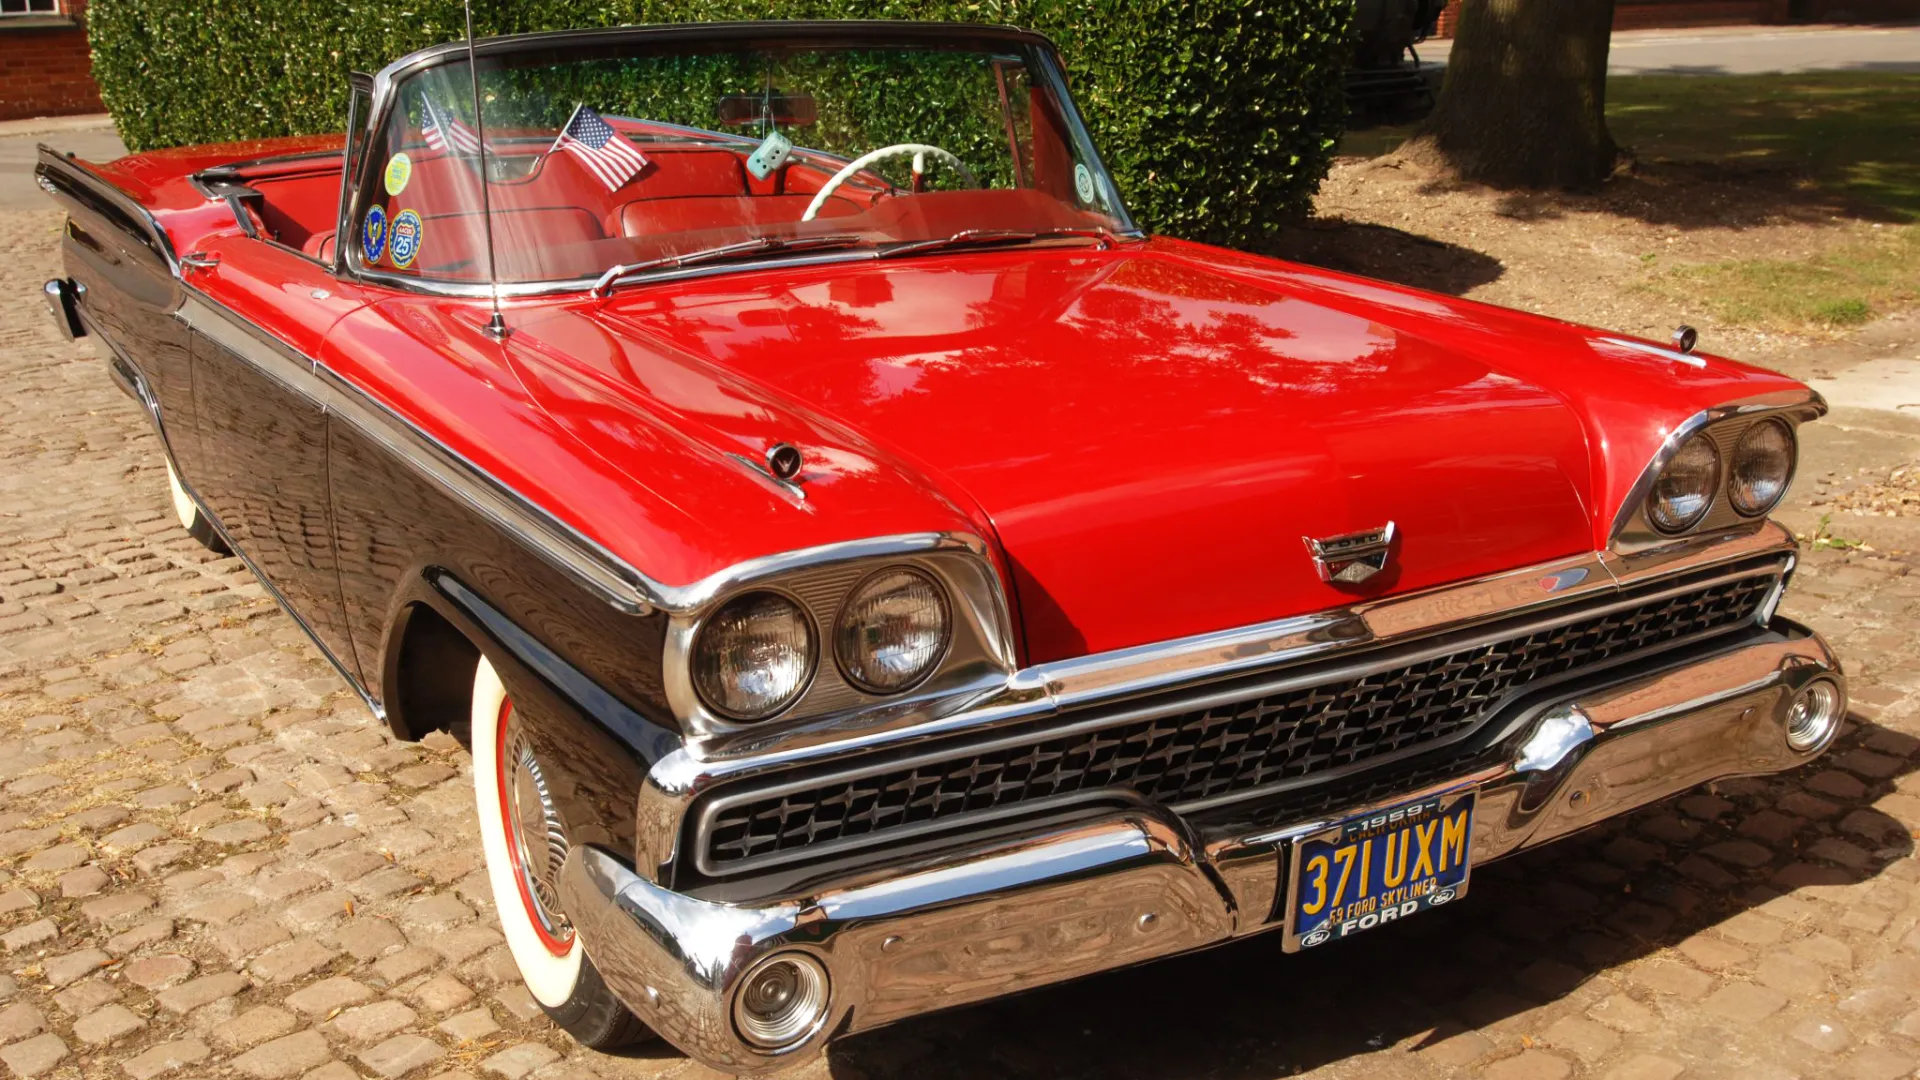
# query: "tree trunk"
[[1524, 103]]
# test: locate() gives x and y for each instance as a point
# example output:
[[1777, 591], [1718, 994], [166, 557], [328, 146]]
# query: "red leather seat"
[[661, 217]]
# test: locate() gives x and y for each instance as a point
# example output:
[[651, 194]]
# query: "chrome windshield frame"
[[863, 33]]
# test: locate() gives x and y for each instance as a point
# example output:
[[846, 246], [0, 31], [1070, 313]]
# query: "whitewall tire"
[[191, 519], [525, 843]]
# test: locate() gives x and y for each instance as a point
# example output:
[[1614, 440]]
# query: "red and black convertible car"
[[872, 575]]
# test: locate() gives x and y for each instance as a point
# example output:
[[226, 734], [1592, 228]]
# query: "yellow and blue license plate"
[[1378, 868]]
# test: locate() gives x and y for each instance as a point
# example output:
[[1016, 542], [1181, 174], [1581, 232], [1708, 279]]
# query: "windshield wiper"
[[989, 237], [759, 245]]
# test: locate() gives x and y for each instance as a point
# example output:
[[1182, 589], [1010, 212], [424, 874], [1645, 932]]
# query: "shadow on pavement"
[[1534, 930]]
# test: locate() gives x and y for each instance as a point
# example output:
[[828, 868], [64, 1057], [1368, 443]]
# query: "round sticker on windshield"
[[407, 234], [399, 171], [1083, 182], [373, 234]]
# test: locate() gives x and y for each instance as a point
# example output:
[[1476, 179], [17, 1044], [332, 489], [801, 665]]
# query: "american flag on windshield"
[[442, 128], [604, 152]]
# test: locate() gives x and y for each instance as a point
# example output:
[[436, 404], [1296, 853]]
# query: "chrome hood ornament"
[[1351, 558]]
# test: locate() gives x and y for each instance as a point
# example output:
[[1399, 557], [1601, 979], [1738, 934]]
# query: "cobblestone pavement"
[[215, 863]]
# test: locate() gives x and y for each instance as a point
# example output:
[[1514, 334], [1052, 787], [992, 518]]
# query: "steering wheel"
[[918, 150]]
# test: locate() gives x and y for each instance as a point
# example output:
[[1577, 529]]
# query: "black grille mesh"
[[1188, 756]]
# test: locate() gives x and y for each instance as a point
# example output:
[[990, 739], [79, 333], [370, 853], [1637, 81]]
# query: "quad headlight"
[[1762, 466], [1685, 489], [754, 656], [892, 631]]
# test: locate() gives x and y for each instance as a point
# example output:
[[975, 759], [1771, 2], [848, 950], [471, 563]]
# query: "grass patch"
[[1847, 131], [1875, 272]]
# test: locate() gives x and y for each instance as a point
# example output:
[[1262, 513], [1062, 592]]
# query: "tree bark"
[[1524, 102]]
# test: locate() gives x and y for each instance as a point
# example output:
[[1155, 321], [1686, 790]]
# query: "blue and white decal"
[[373, 235]]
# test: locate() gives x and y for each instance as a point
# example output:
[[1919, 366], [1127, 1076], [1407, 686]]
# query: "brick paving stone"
[[371, 1023], [1825, 1034], [58, 857], [19, 1021], [158, 972], [289, 1055], [442, 993], [406, 963], [288, 962], [132, 837], [1583, 1038], [369, 939], [150, 932], [117, 908], [253, 1027], [519, 1061], [1792, 975], [1745, 1003], [205, 990], [61, 970], [477, 1024], [106, 1024], [1646, 1067], [34, 933], [1868, 1063], [165, 1058], [250, 938], [86, 996], [85, 881], [34, 1056], [328, 995], [402, 1054]]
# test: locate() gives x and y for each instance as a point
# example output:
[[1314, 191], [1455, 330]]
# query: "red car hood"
[[1152, 439]]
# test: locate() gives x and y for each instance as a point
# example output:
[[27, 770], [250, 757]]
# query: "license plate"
[[1378, 868]]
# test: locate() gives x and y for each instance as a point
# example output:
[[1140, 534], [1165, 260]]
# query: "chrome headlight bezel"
[[851, 666], [1750, 509], [978, 654], [1708, 493], [703, 644], [1635, 534]]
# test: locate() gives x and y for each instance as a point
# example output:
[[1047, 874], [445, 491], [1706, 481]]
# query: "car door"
[[259, 313]]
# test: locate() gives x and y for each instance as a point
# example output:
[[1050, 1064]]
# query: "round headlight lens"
[[1762, 464], [753, 656], [892, 630], [1685, 488]]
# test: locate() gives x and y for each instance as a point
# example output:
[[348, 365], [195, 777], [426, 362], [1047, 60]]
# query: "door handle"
[[199, 260]]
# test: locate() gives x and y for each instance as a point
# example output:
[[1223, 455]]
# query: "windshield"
[[602, 161]]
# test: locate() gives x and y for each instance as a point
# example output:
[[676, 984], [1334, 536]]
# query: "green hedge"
[[1218, 117]]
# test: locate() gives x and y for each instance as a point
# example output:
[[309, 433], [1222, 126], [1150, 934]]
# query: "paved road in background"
[[1749, 51]]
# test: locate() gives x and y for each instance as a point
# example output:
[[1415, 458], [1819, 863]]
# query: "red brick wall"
[[46, 71], [1650, 14]]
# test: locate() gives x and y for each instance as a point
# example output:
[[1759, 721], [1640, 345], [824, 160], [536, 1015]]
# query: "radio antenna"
[[496, 326]]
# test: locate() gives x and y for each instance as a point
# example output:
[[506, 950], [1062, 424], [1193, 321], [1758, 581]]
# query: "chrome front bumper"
[[1136, 885]]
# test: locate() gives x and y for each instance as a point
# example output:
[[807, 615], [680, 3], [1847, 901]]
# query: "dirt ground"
[[1585, 258]]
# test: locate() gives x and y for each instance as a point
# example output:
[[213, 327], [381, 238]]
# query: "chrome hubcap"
[[540, 841]]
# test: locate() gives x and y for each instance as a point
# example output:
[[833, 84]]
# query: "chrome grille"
[[1183, 758]]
